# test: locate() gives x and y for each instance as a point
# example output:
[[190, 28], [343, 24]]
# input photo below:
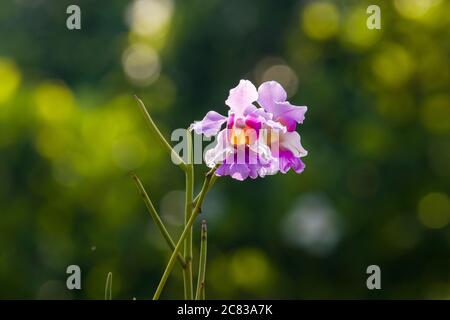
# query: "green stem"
[[202, 293], [154, 129], [202, 263], [108, 287], [184, 234], [187, 274], [211, 183], [156, 218]]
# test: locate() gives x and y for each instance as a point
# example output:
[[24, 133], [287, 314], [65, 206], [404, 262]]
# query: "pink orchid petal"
[[270, 92], [242, 97], [291, 141], [289, 114], [288, 161], [210, 125]]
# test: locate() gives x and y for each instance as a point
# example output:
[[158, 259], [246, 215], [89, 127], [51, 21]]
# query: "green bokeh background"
[[375, 188]]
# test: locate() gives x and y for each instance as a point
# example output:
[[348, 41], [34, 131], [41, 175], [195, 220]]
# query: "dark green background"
[[375, 188]]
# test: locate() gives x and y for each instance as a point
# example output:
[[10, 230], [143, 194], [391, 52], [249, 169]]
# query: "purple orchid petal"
[[236, 171], [221, 150], [242, 97], [272, 97], [260, 112], [291, 141], [254, 123], [274, 125], [243, 166], [270, 92], [254, 170], [239, 171], [261, 152], [270, 169], [288, 161], [210, 125], [250, 109], [223, 170], [289, 115], [230, 122]]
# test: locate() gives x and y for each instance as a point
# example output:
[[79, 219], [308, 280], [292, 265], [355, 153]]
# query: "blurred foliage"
[[375, 188]]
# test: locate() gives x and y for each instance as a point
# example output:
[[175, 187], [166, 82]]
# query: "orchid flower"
[[258, 137], [256, 141]]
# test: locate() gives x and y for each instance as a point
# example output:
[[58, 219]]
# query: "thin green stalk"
[[202, 292], [154, 129], [187, 275], [211, 183], [184, 234], [156, 218], [108, 287], [202, 263]]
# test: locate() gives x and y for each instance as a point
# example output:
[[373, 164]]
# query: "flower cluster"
[[260, 135]]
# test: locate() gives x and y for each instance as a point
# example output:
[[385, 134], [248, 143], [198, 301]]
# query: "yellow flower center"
[[241, 136]]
